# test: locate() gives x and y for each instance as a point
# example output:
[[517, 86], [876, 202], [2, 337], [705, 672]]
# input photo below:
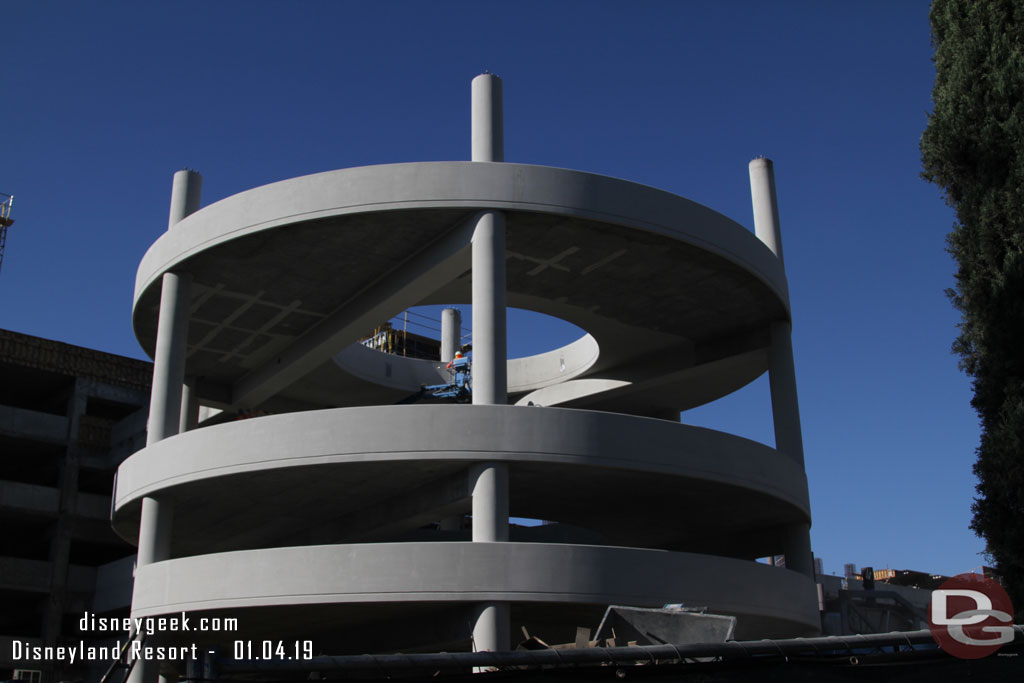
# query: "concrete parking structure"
[[316, 521]]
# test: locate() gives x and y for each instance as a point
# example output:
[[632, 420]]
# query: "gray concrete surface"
[[322, 517], [643, 258], [378, 573]]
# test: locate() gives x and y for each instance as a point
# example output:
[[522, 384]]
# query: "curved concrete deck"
[[279, 580], [576, 243], [322, 470]]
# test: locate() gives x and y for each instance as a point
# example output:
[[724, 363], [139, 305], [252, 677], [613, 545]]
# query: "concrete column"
[[488, 128], [490, 381], [60, 549], [492, 626], [451, 333], [186, 191], [189, 406], [782, 375], [781, 369], [451, 341], [788, 437], [489, 480], [797, 549], [154, 530], [489, 486], [172, 326], [782, 380], [155, 524], [766, 205], [169, 358], [165, 406]]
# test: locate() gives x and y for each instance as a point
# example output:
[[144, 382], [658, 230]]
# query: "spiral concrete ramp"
[[317, 521]]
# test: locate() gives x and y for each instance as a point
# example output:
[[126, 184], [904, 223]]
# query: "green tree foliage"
[[973, 148]]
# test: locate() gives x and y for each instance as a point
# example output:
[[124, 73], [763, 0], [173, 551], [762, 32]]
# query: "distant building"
[[68, 417]]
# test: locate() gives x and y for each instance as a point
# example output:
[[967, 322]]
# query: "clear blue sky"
[[102, 102]]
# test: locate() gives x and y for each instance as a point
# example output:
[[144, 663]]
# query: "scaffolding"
[[6, 201]]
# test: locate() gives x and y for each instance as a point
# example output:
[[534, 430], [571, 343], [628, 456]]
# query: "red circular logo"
[[970, 616]]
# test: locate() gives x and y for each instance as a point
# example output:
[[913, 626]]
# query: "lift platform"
[[460, 388], [6, 202]]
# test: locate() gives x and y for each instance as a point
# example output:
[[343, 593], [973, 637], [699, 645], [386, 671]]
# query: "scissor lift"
[[459, 389]]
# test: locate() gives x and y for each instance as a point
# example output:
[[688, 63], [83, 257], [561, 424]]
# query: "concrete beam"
[[108, 392], [34, 425], [92, 506], [96, 531], [404, 286], [19, 574], [15, 495]]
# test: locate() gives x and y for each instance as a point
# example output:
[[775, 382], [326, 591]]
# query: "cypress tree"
[[973, 148]]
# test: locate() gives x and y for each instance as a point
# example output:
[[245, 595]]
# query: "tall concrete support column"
[[766, 204], [492, 626], [489, 487], [782, 380], [451, 341], [488, 126], [451, 333], [169, 359], [788, 437], [797, 549], [782, 374], [186, 193], [489, 480], [490, 380], [165, 405], [781, 369], [155, 530], [172, 327], [154, 545]]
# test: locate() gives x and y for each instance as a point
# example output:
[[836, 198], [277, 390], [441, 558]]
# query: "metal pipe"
[[830, 645]]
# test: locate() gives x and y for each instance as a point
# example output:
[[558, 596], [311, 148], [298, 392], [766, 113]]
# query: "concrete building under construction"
[[362, 525], [68, 417]]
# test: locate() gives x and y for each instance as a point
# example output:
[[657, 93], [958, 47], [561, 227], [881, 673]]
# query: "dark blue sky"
[[102, 102]]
